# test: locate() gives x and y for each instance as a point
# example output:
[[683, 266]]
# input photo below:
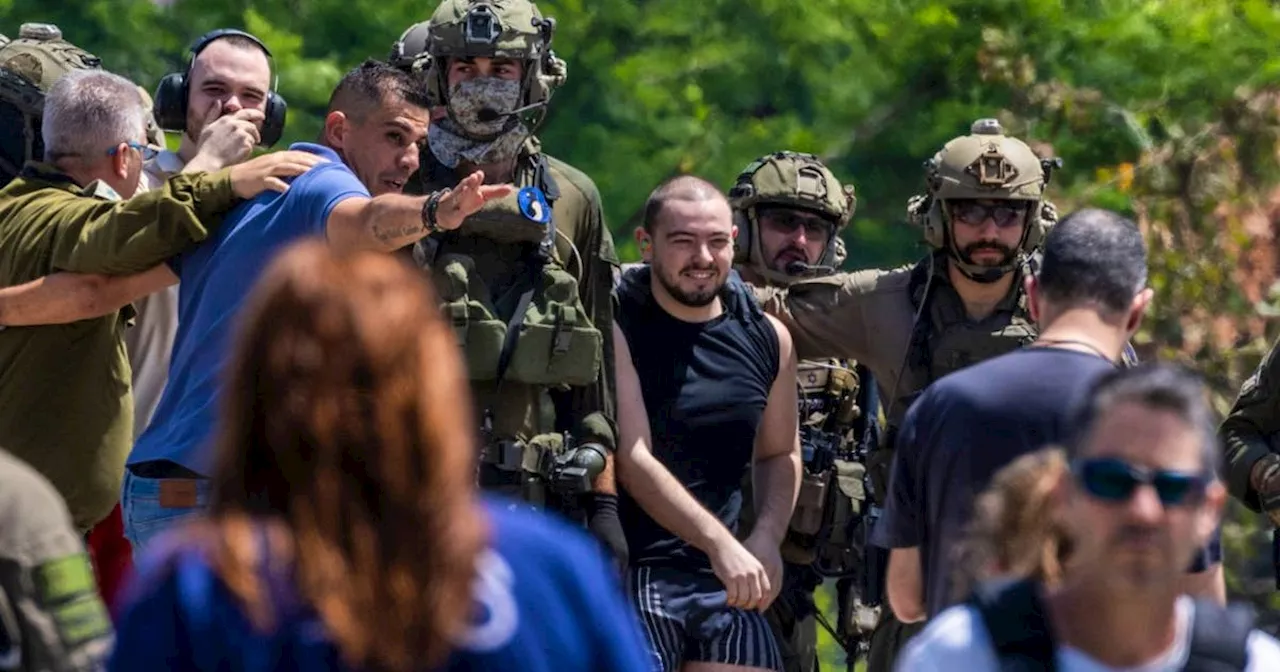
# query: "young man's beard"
[[691, 299]]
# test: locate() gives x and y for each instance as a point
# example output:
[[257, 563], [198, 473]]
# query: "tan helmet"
[[986, 164], [29, 65], [795, 180]]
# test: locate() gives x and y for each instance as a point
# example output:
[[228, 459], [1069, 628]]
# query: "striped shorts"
[[685, 617]]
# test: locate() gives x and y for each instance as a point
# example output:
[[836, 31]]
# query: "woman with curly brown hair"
[[1012, 533], [347, 532]]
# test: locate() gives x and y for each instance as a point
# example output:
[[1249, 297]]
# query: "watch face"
[[533, 205]]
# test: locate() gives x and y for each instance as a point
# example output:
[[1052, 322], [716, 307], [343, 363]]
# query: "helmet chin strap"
[[984, 275]]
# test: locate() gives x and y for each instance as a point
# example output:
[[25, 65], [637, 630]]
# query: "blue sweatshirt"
[[549, 600]]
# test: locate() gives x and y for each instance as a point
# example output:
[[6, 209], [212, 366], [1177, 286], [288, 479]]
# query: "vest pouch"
[[807, 517], [500, 220], [843, 545], [557, 344], [464, 300]]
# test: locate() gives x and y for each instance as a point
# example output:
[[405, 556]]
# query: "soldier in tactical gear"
[[983, 214], [789, 209], [1249, 434], [29, 66], [527, 280]]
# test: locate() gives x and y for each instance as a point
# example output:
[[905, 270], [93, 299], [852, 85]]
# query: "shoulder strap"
[[532, 282], [1015, 620], [1219, 638]]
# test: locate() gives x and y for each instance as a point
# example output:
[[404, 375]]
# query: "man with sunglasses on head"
[[65, 400], [1088, 298], [984, 214], [1141, 497]]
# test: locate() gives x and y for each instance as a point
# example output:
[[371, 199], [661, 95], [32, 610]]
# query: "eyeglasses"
[[147, 151], [788, 221], [975, 213], [1115, 480]]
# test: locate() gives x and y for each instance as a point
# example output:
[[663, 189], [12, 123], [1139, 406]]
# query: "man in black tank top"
[[705, 391]]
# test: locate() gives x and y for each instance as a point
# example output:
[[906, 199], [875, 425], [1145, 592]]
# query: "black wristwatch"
[[429, 208]]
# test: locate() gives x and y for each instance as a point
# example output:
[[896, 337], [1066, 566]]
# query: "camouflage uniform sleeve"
[[825, 315], [114, 237], [51, 616], [1248, 428], [592, 407]]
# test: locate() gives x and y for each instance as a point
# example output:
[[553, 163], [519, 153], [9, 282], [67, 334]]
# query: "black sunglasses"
[[788, 221], [1115, 480]]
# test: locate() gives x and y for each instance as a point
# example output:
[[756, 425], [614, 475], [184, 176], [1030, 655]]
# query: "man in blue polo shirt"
[[377, 117]]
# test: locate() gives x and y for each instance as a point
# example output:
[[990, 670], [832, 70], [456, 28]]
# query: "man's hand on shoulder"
[[466, 199], [266, 172]]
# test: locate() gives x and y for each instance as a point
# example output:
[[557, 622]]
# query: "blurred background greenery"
[[1165, 110]]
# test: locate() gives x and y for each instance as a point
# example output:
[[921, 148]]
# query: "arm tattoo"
[[389, 234]]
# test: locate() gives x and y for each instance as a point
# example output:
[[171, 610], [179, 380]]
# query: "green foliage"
[[1162, 110]]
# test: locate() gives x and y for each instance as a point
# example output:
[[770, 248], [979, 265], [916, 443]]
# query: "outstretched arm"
[[69, 297], [391, 221]]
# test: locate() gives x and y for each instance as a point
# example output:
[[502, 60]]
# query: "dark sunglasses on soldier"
[[1005, 215], [788, 221], [1115, 480]]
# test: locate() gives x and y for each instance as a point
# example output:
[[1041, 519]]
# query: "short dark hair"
[[368, 84], [1165, 387], [239, 42], [679, 188], [1094, 256]]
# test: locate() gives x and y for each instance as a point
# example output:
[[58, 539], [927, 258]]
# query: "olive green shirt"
[[865, 316], [1249, 428], [65, 401], [592, 260]]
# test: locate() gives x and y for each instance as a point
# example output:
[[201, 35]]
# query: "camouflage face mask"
[[469, 134]]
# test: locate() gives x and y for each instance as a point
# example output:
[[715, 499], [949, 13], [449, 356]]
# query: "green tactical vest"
[[515, 309], [823, 529], [945, 340]]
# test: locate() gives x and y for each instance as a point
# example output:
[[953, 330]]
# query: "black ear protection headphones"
[[172, 93]]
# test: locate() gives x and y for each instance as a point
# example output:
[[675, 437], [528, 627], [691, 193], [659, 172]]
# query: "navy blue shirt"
[[960, 432], [546, 597], [705, 388]]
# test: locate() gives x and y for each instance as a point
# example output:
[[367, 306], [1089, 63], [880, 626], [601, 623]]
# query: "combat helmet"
[[986, 164], [794, 180], [512, 29], [29, 65]]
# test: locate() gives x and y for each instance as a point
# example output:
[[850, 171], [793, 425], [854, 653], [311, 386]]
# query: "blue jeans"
[[144, 517]]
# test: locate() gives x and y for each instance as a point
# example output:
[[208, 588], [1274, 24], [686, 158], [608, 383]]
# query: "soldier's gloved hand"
[[602, 520], [1265, 479], [228, 140], [255, 176]]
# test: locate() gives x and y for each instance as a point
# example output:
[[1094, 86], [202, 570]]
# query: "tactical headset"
[[172, 93]]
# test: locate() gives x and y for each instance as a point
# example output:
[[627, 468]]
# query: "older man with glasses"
[[65, 401]]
